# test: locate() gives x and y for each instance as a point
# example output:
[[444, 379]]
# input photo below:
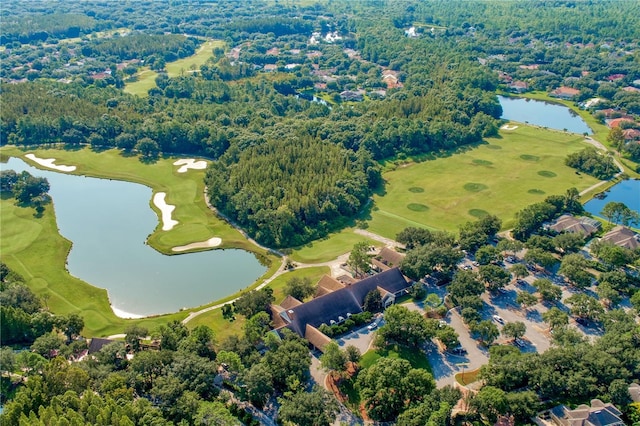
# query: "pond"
[[108, 222], [543, 114], [626, 191]]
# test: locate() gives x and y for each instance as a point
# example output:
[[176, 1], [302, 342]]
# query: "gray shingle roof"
[[350, 299]]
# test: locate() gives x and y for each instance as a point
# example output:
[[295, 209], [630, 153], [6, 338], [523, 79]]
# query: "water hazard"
[[109, 221]]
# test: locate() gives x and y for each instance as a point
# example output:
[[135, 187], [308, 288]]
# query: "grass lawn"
[[34, 248], [193, 62], [146, 80], [329, 248], [500, 176], [416, 357], [279, 283]]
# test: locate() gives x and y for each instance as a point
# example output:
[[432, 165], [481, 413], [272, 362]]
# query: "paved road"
[[361, 338], [600, 146]]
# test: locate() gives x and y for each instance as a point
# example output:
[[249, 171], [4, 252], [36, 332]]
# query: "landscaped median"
[[34, 248]]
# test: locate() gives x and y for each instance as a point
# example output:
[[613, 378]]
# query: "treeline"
[[169, 47], [591, 162], [24, 318], [530, 219], [180, 376], [285, 193], [277, 25], [575, 369], [39, 28]]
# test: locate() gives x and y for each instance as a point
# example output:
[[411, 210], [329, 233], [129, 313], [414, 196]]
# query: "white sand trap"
[[48, 162], [122, 314], [167, 222], [190, 163], [508, 127], [211, 242]]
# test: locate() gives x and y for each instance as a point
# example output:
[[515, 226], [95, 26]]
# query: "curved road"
[[600, 146]]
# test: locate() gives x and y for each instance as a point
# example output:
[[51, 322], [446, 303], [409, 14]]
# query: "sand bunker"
[[508, 127], [211, 242], [190, 163], [48, 162], [167, 222]]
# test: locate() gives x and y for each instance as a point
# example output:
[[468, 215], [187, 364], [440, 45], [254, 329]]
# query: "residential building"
[[564, 92], [599, 414], [623, 237], [568, 223]]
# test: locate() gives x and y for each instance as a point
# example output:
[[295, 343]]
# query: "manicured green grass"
[[195, 61], [416, 357], [146, 80], [313, 273], [34, 248], [499, 177], [329, 248]]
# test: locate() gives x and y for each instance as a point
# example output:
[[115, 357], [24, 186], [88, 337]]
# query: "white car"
[[372, 326], [498, 318]]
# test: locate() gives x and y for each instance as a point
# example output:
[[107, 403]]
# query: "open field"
[[27, 242], [146, 80], [195, 61], [329, 248], [498, 177]]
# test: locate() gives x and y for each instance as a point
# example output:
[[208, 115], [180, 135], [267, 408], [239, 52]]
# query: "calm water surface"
[[542, 114], [626, 191], [108, 223]]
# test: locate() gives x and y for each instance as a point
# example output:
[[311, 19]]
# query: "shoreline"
[[125, 315]]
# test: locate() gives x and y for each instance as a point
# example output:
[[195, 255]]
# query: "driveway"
[[361, 338]]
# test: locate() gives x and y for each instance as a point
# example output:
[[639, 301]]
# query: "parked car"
[[459, 350], [498, 318], [521, 282], [372, 326]]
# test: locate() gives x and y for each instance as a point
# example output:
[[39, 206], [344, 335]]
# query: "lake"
[[108, 222], [626, 191], [543, 114]]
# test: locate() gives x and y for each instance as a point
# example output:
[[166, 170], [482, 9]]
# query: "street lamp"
[[463, 365]]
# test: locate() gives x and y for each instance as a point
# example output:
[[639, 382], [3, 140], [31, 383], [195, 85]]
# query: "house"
[[616, 122], [622, 236], [353, 96], [519, 86], [270, 67], [631, 134], [97, 344], [631, 89], [568, 223], [336, 306], [564, 92], [615, 77], [599, 414]]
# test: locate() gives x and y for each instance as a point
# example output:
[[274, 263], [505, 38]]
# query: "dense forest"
[[286, 193]]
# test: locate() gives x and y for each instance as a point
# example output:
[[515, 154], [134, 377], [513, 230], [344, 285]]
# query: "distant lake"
[[542, 114], [108, 222], [626, 191]]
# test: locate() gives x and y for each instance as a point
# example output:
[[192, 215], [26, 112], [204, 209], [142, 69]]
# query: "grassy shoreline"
[[44, 268]]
